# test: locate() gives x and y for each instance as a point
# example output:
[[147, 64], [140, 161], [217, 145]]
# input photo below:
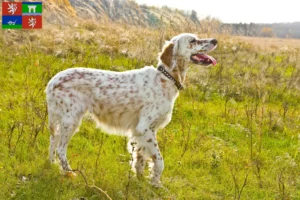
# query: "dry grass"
[[271, 43]]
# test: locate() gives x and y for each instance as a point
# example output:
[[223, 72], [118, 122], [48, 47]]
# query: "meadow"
[[234, 132]]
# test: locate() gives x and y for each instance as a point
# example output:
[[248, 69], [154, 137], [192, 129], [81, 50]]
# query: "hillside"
[[128, 12], [118, 11]]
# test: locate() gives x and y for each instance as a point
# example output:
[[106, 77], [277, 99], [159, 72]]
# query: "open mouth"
[[203, 59]]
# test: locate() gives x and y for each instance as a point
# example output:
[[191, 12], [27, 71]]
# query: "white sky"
[[235, 11]]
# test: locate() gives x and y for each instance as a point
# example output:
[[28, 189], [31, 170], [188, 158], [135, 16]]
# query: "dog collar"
[[169, 76]]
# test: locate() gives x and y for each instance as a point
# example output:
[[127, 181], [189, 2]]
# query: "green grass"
[[234, 132]]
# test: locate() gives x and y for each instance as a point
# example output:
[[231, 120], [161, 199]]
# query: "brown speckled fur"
[[133, 103]]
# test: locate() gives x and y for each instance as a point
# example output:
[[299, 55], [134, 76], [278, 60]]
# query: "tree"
[[194, 17], [267, 32]]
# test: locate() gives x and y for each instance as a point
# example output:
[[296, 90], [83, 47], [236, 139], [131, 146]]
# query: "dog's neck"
[[177, 70]]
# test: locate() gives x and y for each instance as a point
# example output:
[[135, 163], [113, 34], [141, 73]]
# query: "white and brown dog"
[[133, 103]]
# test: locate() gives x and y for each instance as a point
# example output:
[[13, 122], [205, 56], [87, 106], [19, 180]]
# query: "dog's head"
[[187, 47]]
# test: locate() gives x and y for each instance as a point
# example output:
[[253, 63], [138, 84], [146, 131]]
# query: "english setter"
[[133, 103]]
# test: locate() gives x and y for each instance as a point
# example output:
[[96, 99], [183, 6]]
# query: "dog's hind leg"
[[68, 126], [54, 138]]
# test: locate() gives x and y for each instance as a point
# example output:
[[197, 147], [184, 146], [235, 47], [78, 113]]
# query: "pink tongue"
[[207, 57], [212, 59]]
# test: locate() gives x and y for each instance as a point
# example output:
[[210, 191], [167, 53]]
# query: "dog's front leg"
[[146, 146], [156, 164], [138, 160]]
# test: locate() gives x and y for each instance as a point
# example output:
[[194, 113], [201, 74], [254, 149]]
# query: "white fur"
[[133, 103]]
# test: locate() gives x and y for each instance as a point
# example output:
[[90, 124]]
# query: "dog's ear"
[[167, 54]]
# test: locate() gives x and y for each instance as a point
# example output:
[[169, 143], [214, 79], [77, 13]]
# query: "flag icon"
[[26, 15]]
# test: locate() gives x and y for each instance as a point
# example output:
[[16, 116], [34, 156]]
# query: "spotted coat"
[[133, 103]]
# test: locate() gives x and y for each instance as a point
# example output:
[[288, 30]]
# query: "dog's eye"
[[193, 40]]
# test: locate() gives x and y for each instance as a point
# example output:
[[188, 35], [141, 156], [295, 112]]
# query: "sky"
[[236, 11]]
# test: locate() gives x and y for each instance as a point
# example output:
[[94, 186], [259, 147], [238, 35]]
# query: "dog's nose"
[[214, 41]]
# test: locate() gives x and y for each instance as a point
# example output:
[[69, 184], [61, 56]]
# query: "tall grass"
[[234, 133]]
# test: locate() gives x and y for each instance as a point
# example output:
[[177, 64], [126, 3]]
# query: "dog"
[[135, 103]]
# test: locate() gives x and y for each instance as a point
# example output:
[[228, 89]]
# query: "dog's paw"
[[70, 174], [157, 184]]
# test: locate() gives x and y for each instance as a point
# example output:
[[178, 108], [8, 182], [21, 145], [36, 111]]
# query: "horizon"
[[240, 12]]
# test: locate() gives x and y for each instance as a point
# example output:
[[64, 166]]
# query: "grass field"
[[234, 132]]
